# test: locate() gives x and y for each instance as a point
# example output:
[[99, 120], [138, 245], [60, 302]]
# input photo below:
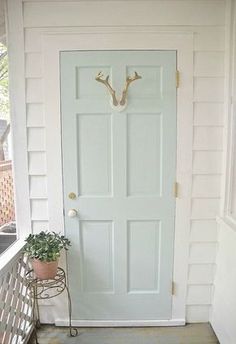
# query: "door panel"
[[143, 255], [121, 166], [94, 154], [144, 174], [97, 256]]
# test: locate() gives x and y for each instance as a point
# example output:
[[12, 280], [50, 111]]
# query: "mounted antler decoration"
[[129, 79], [123, 100], [110, 89]]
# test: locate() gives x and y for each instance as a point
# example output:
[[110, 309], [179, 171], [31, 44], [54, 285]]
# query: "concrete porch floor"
[[189, 334]]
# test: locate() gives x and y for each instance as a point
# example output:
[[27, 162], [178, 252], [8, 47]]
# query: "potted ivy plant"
[[44, 251]]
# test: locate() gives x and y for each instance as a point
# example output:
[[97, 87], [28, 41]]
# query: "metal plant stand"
[[47, 289]]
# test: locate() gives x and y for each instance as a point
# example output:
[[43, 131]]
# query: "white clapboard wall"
[[206, 19], [224, 304]]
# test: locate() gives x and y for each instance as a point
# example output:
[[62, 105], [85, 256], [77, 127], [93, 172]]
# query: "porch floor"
[[190, 334]]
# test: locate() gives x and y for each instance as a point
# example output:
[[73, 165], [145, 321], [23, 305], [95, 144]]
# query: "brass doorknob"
[[72, 213], [72, 195]]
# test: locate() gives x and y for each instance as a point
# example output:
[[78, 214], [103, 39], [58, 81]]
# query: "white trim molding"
[[229, 182], [11, 255], [15, 39], [136, 39], [122, 323]]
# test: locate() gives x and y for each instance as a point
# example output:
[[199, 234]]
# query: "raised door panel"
[[97, 256], [144, 154], [94, 154], [144, 256]]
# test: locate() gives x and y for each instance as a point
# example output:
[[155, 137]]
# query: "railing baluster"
[[15, 303]]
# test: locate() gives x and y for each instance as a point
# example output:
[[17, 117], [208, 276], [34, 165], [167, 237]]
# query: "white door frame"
[[120, 39]]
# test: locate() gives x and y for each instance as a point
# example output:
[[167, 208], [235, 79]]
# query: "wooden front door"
[[121, 166]]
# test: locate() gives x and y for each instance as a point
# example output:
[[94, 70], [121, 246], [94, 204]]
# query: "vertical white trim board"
[[107, 39], [15, 40]]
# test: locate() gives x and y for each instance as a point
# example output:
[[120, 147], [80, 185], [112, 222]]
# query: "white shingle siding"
[[224, 306]]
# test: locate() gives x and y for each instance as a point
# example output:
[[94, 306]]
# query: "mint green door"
[[121, 167]]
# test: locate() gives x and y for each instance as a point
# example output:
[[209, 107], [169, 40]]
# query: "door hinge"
[[177, 78], [176, 189], [173, 288]]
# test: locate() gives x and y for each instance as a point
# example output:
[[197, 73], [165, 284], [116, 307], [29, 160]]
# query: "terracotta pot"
[[45, 270]]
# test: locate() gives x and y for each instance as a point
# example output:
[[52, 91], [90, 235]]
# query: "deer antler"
[[129, 79], [110, 89]]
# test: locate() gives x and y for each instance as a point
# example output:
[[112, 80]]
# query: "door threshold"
[[121, 323]]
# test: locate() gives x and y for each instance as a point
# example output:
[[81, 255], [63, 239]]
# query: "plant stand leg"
[[35, 315], [73, 331], [38, 323]]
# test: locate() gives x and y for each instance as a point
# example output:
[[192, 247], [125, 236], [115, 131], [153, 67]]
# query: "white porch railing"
[[15, 304]]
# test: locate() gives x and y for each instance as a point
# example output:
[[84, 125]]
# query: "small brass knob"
[[72, 195]]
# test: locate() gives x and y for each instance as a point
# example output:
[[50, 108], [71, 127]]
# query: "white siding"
[[38, 187], [39, 209], [208, 89], [205, 186], [33, 64], [203, 231], [199, 295], [206, 20], [208, 114], [198, 313], [35, 115], [87, 13], [208, 64], [37, 163], [208, 138], [207, 162], [34, 91], [38, 226], [201, 274], [36, 139], [202, 253], [205, 208], [224, 304]]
